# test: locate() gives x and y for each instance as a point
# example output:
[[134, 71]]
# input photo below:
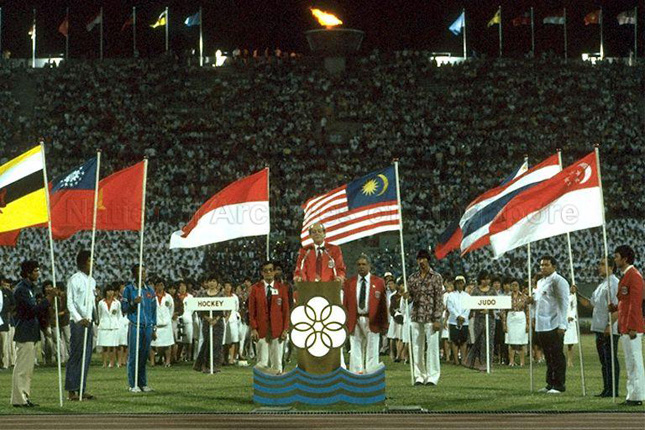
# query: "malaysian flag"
[[362, 208]]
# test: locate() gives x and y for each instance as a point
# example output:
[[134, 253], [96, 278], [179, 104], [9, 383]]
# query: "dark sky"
[[389, 25]]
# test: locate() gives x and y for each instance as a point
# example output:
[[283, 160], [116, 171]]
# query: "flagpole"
[[528, 266], [101, 35], [405, 277], [134, 31], [51, 254], [608, 274], [33, 42], [201, 48], [89, 293], [500, 31], [573, 281], [566, 54], [635, 32], [602, 40], [140, 282], [0, 31], [167, 22], [67, 35], [532, 32], [464, 31], [269, 213]]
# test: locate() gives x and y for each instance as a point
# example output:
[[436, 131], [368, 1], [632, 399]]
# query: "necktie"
[[319, 253], [362, 294], [269, 299]]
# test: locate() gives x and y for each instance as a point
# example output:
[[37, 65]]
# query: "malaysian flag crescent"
[[362, 208]]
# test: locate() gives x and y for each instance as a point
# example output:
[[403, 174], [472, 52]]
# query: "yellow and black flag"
[[23, 202]]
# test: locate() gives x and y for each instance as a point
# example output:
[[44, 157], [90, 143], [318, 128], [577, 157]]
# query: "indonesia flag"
[[482, 211], [569, 201], [239, 210]]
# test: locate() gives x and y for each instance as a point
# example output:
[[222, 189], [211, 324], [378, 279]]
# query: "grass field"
[[179, 389]]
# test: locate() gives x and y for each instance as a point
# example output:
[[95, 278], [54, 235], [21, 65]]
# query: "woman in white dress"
[[232, 330], [122, 351], [405, 327], [571, 334], [185, 330], [445, 334], [391, 331], [516, 326], [165, 338], [109, 312]]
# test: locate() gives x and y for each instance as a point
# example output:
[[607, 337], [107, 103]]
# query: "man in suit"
[[27, 332], [365, 301], [269, 319], [321, 261]]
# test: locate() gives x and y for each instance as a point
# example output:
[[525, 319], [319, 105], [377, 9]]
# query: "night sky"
[[251, 24]]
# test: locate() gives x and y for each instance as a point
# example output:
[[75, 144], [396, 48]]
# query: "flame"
[[327, 19]]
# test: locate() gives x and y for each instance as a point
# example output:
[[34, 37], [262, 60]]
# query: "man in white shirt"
[[551, 300], [458, 313], [80, 303], [599, 302]]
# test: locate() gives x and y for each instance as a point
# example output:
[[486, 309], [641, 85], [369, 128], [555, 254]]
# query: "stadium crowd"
[[458, 130]]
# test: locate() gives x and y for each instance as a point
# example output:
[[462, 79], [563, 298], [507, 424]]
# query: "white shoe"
[[554, 391], [134, 389], [543, 390], [146, 389]]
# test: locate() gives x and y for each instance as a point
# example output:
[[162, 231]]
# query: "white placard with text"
[[489, 302], [210, 304]]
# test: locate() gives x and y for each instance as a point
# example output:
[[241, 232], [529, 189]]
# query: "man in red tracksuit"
[[630, 323], [320, 261], [365, 301], [269, 319]]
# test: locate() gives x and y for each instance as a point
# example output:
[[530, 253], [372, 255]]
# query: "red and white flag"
[[239, 210], [569, 201], [362, 208]]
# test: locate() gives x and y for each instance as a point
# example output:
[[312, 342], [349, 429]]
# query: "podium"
[[319, 332]]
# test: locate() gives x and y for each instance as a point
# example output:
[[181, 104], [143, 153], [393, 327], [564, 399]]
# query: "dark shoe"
[[29, 404], [632, 403], [21, 406], [88, 396], [73, 397]]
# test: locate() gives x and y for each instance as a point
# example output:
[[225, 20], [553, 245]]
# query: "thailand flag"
[[239, 210], [569, 201], [480, 213]]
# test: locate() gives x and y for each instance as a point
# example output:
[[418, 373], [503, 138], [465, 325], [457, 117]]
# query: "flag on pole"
[[239, 210], [496, 19], [593, 17], [524, 19], [627, 17], [128, 22], [457, 27], [556, 18], [96, 20], [450, 239], [72, 199], [479, 214], [9, 238], [64, 27], [193, 20], [161, 21], [569, 201], [361, 208], [119, 201], [23, 200]]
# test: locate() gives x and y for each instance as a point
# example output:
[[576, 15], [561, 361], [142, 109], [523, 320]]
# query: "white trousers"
[[6, 358], [270, 354], [426, 362], [363, 356], [633, 350]]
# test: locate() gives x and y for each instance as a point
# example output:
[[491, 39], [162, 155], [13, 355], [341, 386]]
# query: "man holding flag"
[[80, 303]]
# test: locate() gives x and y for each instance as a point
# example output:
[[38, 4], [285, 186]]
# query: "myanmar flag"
[[23, 202]]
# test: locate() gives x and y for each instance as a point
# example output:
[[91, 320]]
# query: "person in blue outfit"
[[147, 327]]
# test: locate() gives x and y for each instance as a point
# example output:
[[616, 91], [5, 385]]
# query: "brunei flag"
[[161, 21], [23, 202]]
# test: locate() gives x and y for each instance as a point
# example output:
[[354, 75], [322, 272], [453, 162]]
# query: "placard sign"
[[489, 302], [210, 304]]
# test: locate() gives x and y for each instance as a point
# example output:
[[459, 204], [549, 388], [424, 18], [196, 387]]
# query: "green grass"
[[179, 389]]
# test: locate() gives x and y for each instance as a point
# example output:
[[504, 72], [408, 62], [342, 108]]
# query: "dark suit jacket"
[[27, 312]]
